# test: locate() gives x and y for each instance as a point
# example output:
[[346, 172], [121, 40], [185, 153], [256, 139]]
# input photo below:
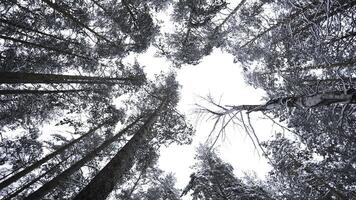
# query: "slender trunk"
[[39, 92], [104, 182], [14, 194], [60, 150], [232, 13], [45, 47], [135, 184], [44, 189], [24, 27], [57, 8], [21, 77]]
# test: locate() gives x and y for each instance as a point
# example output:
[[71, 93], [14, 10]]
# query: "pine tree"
[[214, 179]]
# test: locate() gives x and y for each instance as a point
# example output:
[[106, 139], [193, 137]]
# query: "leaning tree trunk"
[[60, 150], [104, 182], [27, 185], [44, 189]]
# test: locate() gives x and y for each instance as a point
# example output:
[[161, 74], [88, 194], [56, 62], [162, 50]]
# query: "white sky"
[[219, 76]]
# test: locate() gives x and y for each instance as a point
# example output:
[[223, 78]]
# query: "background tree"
[[215, 179]]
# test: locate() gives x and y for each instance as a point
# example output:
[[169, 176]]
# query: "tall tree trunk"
[[60, 150], [44, 189], [40, 92], [20, 77], [14, 194], [104, 182]]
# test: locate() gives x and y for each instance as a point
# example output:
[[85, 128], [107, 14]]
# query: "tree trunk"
[[40, 92], [14, 194], [232, 13], [60, 150], [104, 182], [20, 77], [44, 189], [311, 101]]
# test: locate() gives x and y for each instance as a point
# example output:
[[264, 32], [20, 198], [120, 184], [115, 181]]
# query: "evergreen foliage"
[[63, 66]]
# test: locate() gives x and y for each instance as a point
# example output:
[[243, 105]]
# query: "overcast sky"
[[219, 76]]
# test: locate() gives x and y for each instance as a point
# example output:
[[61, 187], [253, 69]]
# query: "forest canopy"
[[68, 65]]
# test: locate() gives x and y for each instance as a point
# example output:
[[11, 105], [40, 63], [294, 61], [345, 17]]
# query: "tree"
[[301, 175], [60, 150], [196, 37], [105, 181], [150, 182], [40, 193], [214, 179]]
